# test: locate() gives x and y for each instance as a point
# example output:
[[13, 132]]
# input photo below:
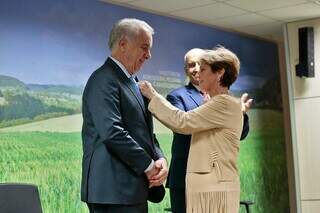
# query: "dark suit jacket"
[[186, 98], [118, 140]]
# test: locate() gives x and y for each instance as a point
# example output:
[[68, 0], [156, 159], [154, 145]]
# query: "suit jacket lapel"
[[127, 82], [124, 80], [143, 106], [148, 115], [130, 85], [194, 94], [142, 101]]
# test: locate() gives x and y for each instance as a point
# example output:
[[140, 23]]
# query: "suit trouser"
[[178, 200], [115, 208]]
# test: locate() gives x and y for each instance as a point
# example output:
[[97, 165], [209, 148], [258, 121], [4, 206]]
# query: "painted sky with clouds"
[[64, 41]]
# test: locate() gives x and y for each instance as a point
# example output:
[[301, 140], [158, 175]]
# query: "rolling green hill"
[[74, 90], [11, 82], [22, 103]]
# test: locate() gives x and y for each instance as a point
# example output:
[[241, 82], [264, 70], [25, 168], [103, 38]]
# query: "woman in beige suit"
[[212, 180]]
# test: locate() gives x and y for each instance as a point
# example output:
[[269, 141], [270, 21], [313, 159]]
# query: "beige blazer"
[[216, 128]]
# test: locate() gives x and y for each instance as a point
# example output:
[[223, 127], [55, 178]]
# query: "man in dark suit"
[[187, 98], [121, 158]]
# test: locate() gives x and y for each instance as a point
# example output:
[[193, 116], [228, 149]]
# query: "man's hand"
[[245, 102], [151, 173], [160, 177]]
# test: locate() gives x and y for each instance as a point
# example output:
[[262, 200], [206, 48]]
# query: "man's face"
[[137, 52], [193, 68]]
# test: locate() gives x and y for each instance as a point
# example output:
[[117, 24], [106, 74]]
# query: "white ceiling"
[[263, 18]]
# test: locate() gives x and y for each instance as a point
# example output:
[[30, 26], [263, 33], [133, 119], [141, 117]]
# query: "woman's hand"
[[147, 90], [246, 102]]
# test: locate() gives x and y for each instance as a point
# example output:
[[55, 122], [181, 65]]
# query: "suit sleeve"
[[103, 102], [157, 147], [176, 101], [246, 128], [210, 115]]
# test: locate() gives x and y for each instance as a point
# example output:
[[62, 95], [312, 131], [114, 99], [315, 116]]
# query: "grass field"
[[52, 160], [262, 163]]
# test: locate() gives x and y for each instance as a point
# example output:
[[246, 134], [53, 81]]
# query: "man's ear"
[[122, 44]]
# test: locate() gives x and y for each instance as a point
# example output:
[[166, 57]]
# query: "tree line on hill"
[[22, 108], [22, 103]]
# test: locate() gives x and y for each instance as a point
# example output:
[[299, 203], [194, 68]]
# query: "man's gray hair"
[[128, 28]]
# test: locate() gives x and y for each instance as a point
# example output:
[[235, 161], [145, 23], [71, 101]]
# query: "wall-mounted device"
[[306, 53]]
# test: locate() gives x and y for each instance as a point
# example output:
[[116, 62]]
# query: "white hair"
[[128, 28], [194, 51], [197, 51]]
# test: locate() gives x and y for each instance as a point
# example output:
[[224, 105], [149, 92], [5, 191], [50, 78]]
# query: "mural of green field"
[[262, 163], [52, 160]]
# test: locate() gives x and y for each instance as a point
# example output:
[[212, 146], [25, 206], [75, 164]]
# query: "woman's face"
[[208, 80]]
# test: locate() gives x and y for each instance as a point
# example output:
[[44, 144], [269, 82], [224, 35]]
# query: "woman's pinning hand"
[[146, 89]]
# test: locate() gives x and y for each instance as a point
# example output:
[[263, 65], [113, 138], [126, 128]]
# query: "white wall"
[[304, 96]]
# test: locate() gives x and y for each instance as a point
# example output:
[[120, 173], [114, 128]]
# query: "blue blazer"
[[186, 98], [118, 140]]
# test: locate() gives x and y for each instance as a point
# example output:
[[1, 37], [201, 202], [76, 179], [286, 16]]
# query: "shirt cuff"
[[149, 167]]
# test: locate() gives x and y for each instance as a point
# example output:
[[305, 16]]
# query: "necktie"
[[137, 90]]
